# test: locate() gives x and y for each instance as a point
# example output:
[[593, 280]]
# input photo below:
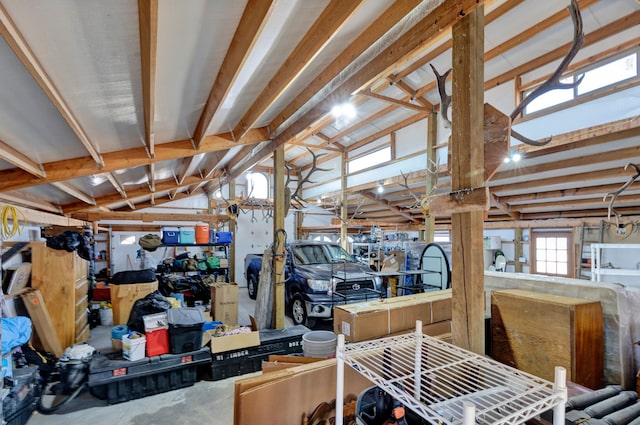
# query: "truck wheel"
[[299, 313], [252, 286]]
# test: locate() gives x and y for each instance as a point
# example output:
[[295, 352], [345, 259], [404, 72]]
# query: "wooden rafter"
[[21, 48], [405, 87], [148, 23], [394, 101], [393, 57], [370, 196], [29, 201], [20, 160], [143, 217], [76, 193], [141, 191], [322, 31], [151, 178], [128, 158], [402, 124], [369, 36], [249, 29], [116, 184]]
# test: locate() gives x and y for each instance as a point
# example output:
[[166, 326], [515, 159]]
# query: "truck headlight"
[[319, 285]]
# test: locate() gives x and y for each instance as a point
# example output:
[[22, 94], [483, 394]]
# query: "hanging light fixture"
[[380, 187]]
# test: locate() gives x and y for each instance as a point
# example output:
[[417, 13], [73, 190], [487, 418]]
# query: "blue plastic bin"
[[224, 237]]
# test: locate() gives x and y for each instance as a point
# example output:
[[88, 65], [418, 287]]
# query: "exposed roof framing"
[[21, 48], [148, 18]]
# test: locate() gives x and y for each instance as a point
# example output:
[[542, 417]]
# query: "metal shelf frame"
[[445, 384]]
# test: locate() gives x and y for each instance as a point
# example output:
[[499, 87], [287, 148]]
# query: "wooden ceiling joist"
[[21, 48], [143, 217], [76, 193], [395, 13], [148, 23], [18, 159], [29, 201], [250, 27], [321, 32], [128, 158], [151, 177], [394, 101], [116, 184], [370, 196]]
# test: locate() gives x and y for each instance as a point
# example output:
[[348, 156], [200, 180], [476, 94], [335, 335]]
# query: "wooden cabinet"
[[535, 332], [61, 277]]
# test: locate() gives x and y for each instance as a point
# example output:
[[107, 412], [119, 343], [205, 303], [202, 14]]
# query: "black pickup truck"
[[318, 276]]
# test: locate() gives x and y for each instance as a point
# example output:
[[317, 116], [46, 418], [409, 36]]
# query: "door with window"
[[553, 253]]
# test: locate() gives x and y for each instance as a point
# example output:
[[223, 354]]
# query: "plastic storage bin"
[[170, 235], [185, 329], [133, 346], [247, 360], [187, 235], [116, 380], [202, 234], [224, 237]]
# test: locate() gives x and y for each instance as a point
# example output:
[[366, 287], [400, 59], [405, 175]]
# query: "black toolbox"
[[24, 393], [247, 360], [115, 379]]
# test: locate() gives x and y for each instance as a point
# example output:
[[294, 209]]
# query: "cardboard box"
[[224, 303], [220, 344], [124, 296], [373, 319]]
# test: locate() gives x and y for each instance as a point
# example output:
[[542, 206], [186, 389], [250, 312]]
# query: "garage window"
[[369, 160], [553, 254]]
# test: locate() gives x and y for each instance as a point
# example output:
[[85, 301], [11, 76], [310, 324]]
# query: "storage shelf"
[[619, 272], [449, 377], [597, 269], [194, 244]]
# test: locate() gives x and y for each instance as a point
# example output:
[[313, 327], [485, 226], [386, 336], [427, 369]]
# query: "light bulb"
[[516, 157]]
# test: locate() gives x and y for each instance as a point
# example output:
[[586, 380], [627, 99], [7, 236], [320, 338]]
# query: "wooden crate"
[[535, 332]]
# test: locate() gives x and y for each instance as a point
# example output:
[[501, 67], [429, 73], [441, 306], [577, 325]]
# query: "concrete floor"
[[206, 402]]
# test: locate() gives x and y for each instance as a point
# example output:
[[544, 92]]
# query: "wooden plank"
[[477, 199], [497, 135], [467, 167], [264, 296], [128, 158], [53, 274], [331, 20], [144, 217], [39, 217], [148, 24], [249, 29], [534, 332], [279, 213], [20, 160]]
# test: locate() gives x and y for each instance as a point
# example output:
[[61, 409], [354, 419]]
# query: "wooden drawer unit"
[[535, 332], [61, 277]]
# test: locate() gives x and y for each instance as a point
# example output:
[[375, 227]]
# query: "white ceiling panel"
[[86, 49]]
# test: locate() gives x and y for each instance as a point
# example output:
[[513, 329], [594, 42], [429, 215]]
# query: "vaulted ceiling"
[[120, 105]]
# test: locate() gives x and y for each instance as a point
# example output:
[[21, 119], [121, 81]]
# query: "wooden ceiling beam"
[[394, 101], [21, 48], [116, 184], [76, 193], [395, 210], [128, 158], [133, 193], [388, 130], [151, 177], [143, 217], [594, 202], [331, 20], [253, 20], [405, 87], [29, 201], [40, 217], [390, 17], [148, 24], [577, 192], [20, 160]]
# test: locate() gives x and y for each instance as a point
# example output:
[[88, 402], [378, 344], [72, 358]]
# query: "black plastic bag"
[[153, 303], [134, 276], [68, 240]]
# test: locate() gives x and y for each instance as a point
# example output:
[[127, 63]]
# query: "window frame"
[[568, 234], [370, 153], [251, 183], [573, 75]]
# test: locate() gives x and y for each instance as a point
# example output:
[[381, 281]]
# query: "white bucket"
[[106, 317], [319, 344], [133, 346]]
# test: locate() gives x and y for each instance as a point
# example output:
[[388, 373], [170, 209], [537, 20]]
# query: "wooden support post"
[[232, 228], [467, 171], [344, 242], [432, 137], [278, 236], [517, 249]]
